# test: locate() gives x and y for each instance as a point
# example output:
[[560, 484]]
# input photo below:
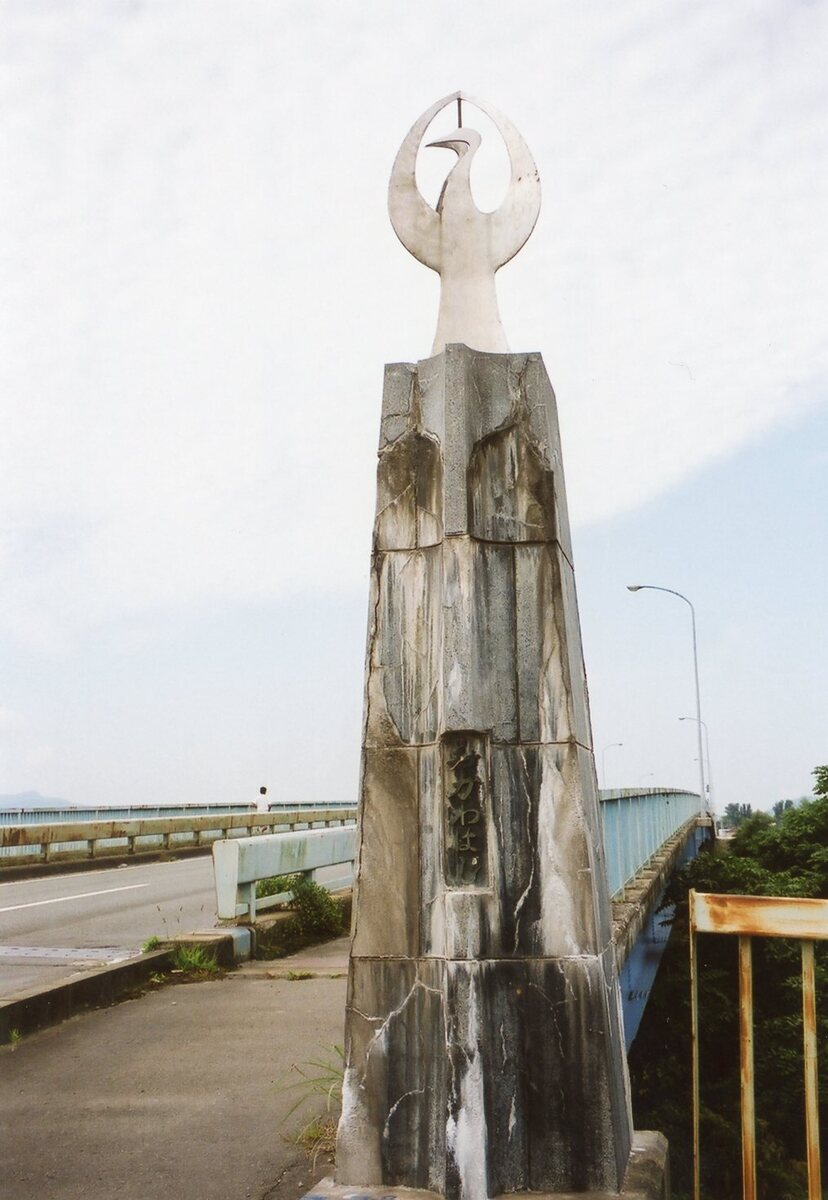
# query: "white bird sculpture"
[[465, 246]]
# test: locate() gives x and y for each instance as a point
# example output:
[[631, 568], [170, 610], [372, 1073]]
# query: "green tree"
[[736, 814]]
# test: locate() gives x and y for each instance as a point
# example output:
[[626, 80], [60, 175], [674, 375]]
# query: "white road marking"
[[130, 887], [195, 860]]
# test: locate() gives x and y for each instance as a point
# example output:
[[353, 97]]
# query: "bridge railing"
[[746, 917], [43, 815], [636, 824], [87, 839], [240, 863]]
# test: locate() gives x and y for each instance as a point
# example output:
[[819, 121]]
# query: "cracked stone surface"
[[483, 1038]]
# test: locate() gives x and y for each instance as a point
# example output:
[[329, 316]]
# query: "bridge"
[[111, 911], [647, 832]]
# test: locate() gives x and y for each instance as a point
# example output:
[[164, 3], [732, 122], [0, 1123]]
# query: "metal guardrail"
[[636, 825], [240, 863], [760, 916], [86, 839], [44, 815], [275, 807], [128, 812]]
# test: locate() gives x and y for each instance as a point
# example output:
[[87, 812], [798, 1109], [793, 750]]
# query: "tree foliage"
[[786, 857], [736, 814]]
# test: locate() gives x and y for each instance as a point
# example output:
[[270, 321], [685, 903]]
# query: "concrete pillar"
[[484, 1050]]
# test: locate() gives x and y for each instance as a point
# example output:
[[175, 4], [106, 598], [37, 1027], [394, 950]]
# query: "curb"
[[296, 974], [99, 987]]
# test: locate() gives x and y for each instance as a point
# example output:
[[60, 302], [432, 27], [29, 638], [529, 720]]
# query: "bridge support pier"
[[484, 1048]]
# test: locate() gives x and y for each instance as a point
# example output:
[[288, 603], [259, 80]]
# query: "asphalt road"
[[53, 927]]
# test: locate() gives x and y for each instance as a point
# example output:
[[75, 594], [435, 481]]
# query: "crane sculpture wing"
[[514, 221], [415, 222], [466, 247]]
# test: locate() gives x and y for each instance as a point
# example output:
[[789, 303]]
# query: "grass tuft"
[[194, 959], [320, 1077]]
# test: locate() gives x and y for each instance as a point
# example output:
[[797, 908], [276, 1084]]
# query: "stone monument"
[[484, 1052]]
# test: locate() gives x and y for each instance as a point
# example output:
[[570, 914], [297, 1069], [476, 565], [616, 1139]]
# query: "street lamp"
[[651, 587], [603, 758], [707, 757]]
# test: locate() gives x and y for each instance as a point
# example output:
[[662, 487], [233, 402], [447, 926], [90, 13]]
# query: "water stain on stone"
[[511, 488], [410, 493]]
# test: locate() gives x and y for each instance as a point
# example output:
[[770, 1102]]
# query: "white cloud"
[[201, 285], [22, 754]]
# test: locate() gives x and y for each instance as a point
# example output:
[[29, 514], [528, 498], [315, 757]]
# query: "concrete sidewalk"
[[179, 1093]]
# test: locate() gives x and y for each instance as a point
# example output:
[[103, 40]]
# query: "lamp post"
[[603, 760], [651, 587], [707, 757]]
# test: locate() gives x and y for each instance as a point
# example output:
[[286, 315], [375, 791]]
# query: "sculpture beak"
[[451, 140]]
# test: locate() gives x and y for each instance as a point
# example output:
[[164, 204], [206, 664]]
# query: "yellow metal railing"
[[760, 916]]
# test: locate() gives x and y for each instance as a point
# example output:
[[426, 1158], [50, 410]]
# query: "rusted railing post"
[[811, 1079], [694, 1037], [747, 1098], [764, 916]]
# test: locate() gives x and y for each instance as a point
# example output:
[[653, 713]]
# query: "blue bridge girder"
[[648, 834]]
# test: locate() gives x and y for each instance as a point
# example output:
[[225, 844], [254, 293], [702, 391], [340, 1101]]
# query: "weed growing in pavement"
[[154, 942], [194, 958], [15, 1037], [171, 927], [319, 1077], [294, 975], [319, 1137], [316, 916]]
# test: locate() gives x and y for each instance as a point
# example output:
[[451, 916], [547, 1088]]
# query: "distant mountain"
[[33, 800]]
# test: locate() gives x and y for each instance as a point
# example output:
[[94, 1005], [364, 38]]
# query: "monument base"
[[647, 1178]]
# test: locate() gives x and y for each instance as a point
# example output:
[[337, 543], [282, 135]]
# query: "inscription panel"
[[466, 792]]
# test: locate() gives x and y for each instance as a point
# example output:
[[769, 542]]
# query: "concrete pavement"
[[178, 1093]]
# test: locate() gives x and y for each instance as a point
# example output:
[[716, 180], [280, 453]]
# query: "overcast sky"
[[199, 287]]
